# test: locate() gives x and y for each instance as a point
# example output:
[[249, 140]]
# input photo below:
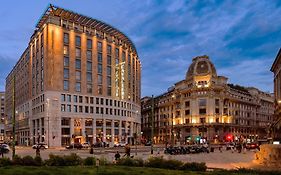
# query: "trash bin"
[[212, 149]]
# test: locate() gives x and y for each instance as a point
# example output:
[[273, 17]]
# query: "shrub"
[[103, 161], [17, 160], [38, 161], [194, 166], [55, 160], [72, 160], [173, 164], [5, 161], [89, 161], [130, 162], [155, 162], [28, 161]]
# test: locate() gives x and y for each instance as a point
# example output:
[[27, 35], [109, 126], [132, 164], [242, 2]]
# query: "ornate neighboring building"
[[276, 69], [204, 105], [77, 81]]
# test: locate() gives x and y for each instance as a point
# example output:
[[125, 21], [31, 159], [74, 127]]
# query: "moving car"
[[75, 145], [40, 146], [120, 144], [252, 146]]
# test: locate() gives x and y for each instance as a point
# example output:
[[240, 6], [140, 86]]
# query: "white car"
[[5, 147], [86, 145], [120, 144], [40, 146]]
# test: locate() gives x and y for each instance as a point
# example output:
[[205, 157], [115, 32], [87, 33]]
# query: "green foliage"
[[38, 161], [17, 160], [5, 161], [72, 160], [104, 161], [55, 160], [28, 161], [194, 166], [155, 162], [130, 162], [173, 164], [89, 161]]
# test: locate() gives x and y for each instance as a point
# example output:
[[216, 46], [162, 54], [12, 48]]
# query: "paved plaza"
[[216, 159]]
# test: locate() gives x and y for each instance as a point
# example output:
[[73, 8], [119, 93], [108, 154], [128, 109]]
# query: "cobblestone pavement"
[[217, 159]]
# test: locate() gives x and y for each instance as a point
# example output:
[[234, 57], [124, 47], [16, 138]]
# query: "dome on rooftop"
[[201, 66]]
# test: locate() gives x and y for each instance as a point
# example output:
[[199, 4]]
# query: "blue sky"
[[242, 38]]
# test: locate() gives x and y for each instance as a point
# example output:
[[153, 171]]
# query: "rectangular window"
[[202, 102], [187, 112], [78, 41], [62, 97], [78, 75], [92, 100], [109, 91], [68, 109], [187, 104], [97, 101], [217, 110], [99, 57], [75, 99], [123, 56], [116, 53], [99, 79], [89, 88], [66, 61], [80, 99], [78, 64], [91, 109], [89, 44], [89, 77], [68, 98], [99, 68], [108, 71], [78, 87], [63, 108], [75, 108], [108, 60], [108, 49], [78, 53], [81, 109], [65, 73], [65, 50], [108, 81], [89, 66], [99, 47], [66, 85], [202, 111], [89, 55], [217, 102], [66, 38], [100, 90]]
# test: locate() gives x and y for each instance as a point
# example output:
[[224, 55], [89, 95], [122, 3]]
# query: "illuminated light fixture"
[[193, 120], [279, 101], [211, 120]]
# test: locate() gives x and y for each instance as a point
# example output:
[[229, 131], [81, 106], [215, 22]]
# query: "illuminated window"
[[65, 50], [100, 90]]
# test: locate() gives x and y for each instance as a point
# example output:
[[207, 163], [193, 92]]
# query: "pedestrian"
[[37, 151], [117, 156], [127, 150]]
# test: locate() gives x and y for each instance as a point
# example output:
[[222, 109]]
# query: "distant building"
[[276, 69], [77, 81], [204, 106], [2, 112]]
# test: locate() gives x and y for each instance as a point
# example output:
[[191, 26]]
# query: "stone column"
[[94, 131], [71, 129], [83, 131], [112, 133], [120, 130], [104, 130], [131, 129]]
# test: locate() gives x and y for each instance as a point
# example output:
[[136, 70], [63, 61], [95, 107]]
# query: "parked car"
[[147, 143], [252, 146], [230, 146], [40, 146], [100, 144], [5, 148], [75, 145], [120, 144], [86, 145]]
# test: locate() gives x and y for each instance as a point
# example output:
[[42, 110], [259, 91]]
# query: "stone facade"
[[203, 105], [276, 69], [77, 81], [2, 119]]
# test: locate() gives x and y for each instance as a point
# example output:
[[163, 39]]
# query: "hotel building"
[[2, 119], [77, 81], [276, 69], [204, 105]]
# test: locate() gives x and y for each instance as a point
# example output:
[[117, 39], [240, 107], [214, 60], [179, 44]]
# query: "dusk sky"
[[241, 38]]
